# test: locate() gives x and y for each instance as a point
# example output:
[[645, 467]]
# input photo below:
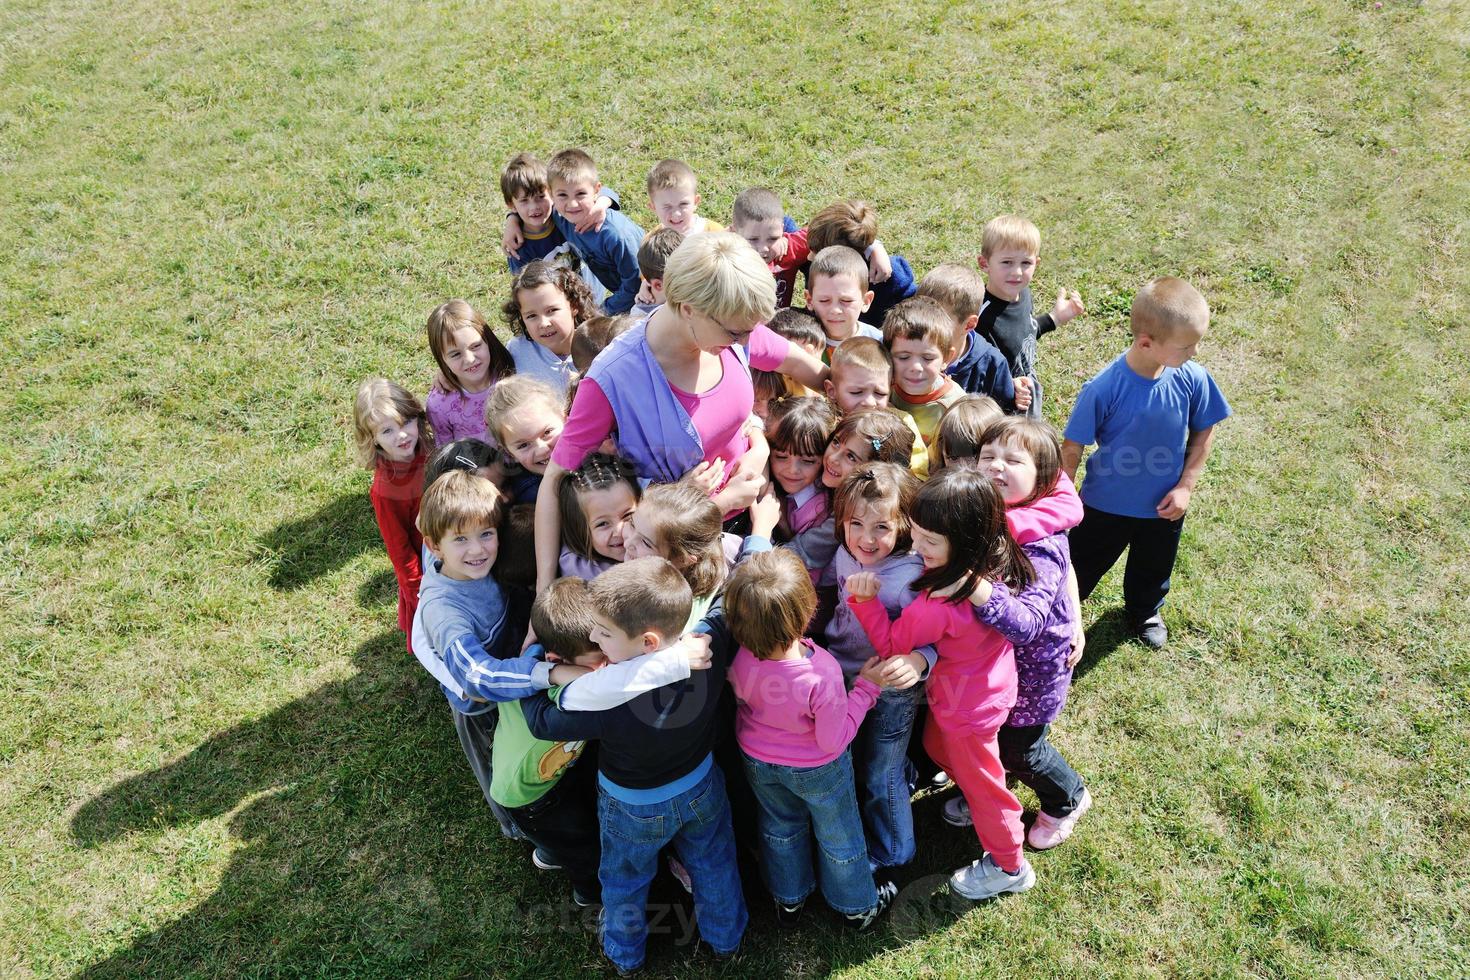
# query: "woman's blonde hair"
[[687, 526], [720, 275], [379, 398]]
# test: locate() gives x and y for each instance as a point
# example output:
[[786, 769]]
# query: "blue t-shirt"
[[1141, 427]]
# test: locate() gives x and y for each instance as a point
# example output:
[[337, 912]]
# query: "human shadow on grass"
[[1109, 632], [302, 550]]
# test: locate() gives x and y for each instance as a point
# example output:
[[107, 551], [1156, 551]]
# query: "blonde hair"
[[920, 318], [720, 275], [455, 315], [1167, 305], [769, 602], [514, 393], [687, 526], [458, 500], [523, 175], [570, 166], [562, 618], [850, 223], [379, 398], [861, 352], [961, 431], [838, 260], [960, 289], [668, 174], [642, 595], [1010, 231]]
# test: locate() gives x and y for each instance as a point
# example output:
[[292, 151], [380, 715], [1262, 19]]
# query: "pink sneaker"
[[1048, 831]]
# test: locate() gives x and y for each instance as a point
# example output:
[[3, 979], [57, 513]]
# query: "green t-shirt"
[[524, 766]]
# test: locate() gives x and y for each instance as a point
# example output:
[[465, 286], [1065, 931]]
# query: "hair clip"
[[466, 462], [877, 444]]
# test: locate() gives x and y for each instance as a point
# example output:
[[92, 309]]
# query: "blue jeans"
[[880, 758], [1027, 755], [697, 823], [797, 805]]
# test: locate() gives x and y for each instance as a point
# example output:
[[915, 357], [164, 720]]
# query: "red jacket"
[[397, 488]]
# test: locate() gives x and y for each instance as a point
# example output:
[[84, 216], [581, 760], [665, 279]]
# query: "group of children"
[[728, 665]]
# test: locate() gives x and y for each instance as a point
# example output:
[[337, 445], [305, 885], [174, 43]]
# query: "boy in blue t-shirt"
[[1152, 413]]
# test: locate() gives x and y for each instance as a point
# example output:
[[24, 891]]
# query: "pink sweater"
[[973, 684], [797, 712]]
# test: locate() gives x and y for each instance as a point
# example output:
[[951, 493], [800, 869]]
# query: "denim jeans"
[[1027, 755], [880, 759], [563, 826], [697, 823], [797, 805]]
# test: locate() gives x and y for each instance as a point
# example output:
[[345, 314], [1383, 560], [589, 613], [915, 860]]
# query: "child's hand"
[[645, 292], [863, 586], [740, 492], [595, 214], [1023, 394], [511, 239], [707, 475], [904, 672], [1175, 503], [1079, 640], [879, 267], [872, 672], [1069, 306], [696, 648], [765, 513], [778, 250], [530, 639]]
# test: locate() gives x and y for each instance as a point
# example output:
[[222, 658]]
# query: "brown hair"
[[643, 594], [799, 325], [687, 526], [515, 562], [380, 398], [960, 289], [570, 166], [801, 426], [838, 260], [1167, 305], [1040, 442], [562, 618], [523, 175], [544, 273], [670, 173], [458, 500], [850, 223], [874, 483], [862, 352], [963, 506], [769, 601], [455, 315], [923, 319], [769, 385], [883, 430], [512, 393], [598, 471], [756, 204], [654, 253], [962, 429], [592, 335]]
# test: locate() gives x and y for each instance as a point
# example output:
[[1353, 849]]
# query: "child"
[[861, 379], [533, 234], [872, 508], [758, 218], [1009, 247], [855, 225], [471, 360], [591, 336], [919, 336], [769, 387], [394, 439], [526, 417], [957, 440], [838, 293], [653, 255], [1152, 413], [977, 366], [673, 195], [658, 784], [546, 303], [597, 502], [800, 326], [798, 431], [959, 531], [471, 455], [794, 722], [610, 251], [1023, 460], [877, 435]]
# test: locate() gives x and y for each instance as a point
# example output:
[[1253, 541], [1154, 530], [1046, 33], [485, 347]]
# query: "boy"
[[977, 366], [801, 327], [1152, 413], [758, 218], [838, 294], [855, 225], [652, 254], [1009, 250], [658, 783], [861, 379], [919, 336], [523, 185], [673, 194]]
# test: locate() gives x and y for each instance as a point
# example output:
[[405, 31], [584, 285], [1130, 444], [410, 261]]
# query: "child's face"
[[933, 548], [398, 440], [572, 199], [592, 659], [762, 235], [530, 434], [971, 461], [467, 553], [918, 366], [1008, 271], [853, 389], [533, 208], [675, 207], [1011, 468], [1176, 348], [838, 301], [841, 458], [640, 537], [468, 360], [547, 316], [608, 513], [871, 531], [794, 473], [618, 646], [656, 289]]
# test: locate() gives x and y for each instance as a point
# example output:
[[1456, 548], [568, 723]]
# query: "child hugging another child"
[[795, 720], [798, 431], [546, 303], [854, 225]]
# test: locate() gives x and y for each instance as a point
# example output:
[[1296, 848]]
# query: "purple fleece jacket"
[[1039, 621]]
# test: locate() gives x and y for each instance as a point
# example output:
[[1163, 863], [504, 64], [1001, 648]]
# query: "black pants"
[[563, 825], [1027, 755], [1152, 544]]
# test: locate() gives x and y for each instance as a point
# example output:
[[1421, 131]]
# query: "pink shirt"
[[458, 415], [719, 414], [1060, 510], [796, 712]]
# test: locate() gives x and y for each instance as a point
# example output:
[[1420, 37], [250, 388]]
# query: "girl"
[[958, 436], [878, 435], [597, 502], [546, 303], [1023, 460], [871, 510], [394, 438], [959, 531], [525, 417], [794, 721], [797, 431], [471, 360], [471, 455]]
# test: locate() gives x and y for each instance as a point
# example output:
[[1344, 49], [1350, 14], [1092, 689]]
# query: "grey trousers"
[[475, 733]]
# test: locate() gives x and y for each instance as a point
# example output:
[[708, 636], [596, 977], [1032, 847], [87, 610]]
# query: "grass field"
[[215, 755]]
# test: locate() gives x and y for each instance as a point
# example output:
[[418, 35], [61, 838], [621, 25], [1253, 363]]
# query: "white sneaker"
[[956, 812], [982, 879], [1048, 831]]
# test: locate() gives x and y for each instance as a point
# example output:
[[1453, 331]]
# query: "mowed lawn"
[[216, 757]]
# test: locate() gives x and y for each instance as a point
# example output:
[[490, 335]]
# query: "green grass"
[[215, 755]]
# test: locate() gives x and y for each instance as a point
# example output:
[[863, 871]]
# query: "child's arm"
[[1079, 635], [816, 546], [1059, 510], [1021, 616], [880, 266], [484, 677], [1068, 307], [1071, 458], [837, 714], [795, 251], [546, 721], [617, 684], [890, 637], [619, 242], [1176, 501]]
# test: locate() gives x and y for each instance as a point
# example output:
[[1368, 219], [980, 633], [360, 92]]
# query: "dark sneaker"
[[863, 921], [1153, 633], [584, 901], [787, 916], [543, 861]]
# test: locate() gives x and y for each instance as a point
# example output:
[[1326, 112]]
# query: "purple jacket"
[[1040, 622]]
